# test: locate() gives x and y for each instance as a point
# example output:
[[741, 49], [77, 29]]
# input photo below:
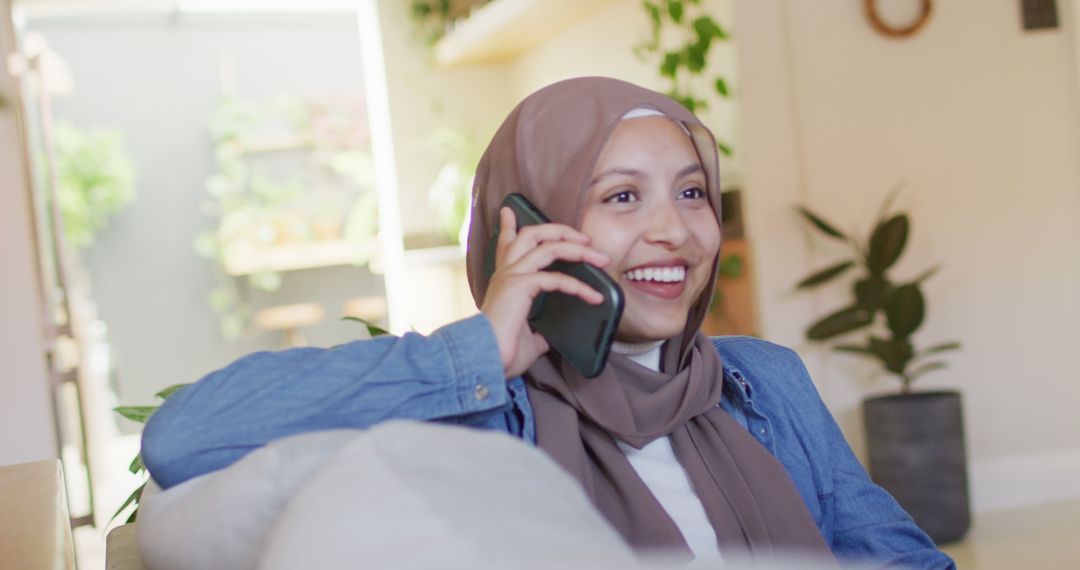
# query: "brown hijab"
[[546, 149]]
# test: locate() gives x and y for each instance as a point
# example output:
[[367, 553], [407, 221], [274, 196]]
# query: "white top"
[[664, 475]]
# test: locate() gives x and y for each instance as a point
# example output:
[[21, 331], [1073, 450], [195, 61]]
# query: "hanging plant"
[[680, 39], [288, 171], [95, 179]]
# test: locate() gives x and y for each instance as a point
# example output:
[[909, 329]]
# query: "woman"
[[682, 442]]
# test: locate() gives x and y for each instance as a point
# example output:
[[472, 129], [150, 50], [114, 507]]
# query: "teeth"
[[659, 274]]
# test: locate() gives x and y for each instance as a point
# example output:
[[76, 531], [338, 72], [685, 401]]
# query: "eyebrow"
[[634, 173]]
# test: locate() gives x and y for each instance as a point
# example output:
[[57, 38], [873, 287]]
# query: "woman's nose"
[[666, 225]]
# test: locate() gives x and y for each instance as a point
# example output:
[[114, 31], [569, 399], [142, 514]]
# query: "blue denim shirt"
[[455, 376]]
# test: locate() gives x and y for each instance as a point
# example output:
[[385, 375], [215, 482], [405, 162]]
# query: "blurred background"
[[185, 182]]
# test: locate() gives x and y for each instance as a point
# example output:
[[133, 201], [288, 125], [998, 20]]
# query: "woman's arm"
[[455, 371]]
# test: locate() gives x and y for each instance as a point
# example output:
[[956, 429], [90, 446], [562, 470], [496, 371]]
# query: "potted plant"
[[915, 439]]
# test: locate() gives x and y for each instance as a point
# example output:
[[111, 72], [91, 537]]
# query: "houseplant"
[[915, 439]]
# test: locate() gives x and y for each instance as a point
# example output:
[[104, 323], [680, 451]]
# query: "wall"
[[26, 417], [981, 121]]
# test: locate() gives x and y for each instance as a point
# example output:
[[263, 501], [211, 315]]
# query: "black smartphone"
[[581, 333]]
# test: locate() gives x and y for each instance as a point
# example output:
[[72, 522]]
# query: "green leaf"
[[818, 222], [872, 292], [825, 275], [905, 310], [731, 265], [889, 199], [894, 354], [887, 243], [924, 368], [136, 413], [840, 322], [670, 65], [695, 56], [133, 498], [943, 347], [721, 87], [927, 274], [372, 329], [164, 394], [136, 464], [723, 148], [675, 10]]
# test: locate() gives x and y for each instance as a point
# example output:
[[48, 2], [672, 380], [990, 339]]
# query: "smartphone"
[[581, 333]]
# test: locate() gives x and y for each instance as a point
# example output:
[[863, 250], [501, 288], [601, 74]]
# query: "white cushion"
[[400, 495]]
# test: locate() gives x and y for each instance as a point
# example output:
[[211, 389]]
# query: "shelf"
[[503, 29], [299, 256]]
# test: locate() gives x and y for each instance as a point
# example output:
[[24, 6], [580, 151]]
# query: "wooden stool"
[[290, 319]]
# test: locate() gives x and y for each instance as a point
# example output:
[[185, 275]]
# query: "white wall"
[[25, 407], [982, 120]]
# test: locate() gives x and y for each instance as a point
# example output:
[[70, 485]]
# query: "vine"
[[685, 66]]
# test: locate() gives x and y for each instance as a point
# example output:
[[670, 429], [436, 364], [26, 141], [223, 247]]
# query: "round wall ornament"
[[889, 30]]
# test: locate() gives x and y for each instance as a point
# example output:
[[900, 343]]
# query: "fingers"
[[553, 281], [546, 254], [514, 243]]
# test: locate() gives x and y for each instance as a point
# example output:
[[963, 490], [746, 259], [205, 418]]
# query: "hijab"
[[546, 149]]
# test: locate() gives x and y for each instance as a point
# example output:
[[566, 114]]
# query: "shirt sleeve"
[[209, 425], [869, 525]]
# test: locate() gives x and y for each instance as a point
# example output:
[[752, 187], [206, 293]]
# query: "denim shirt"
[[455, 376]]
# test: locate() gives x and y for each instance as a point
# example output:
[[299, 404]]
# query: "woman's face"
[[647, 208]]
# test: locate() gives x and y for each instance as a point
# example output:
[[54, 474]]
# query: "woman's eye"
[[694, 193], [622, 197]]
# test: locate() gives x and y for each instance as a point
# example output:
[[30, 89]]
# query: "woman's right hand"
[[520, 260]]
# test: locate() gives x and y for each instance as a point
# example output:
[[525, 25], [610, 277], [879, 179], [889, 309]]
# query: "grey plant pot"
[[916, 444]]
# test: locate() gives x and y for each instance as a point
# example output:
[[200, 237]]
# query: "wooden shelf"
[[299, 256], [503, 29]]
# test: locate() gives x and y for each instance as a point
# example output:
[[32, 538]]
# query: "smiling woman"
[[705, 448]]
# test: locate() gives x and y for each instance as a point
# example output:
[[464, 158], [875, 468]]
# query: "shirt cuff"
[[476, 364]]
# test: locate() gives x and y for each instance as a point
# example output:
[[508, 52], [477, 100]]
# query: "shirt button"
[[481, 392], [761, 431]]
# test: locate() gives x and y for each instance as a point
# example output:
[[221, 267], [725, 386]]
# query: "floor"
[[1045, 537]]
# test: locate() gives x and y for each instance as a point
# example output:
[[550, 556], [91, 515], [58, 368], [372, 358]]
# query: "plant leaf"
[[924, 368], [724, 149], [670, 64], [871, 293], [927, 274], [136, 464], [731, 265], [136, 413], [894, 354], [889, 199], [372, 329], [905, 310], [825, 275], [675, 9], [133, 498], [164, 394], [887, 243], [943, 347], [818, 222], [721, 87], [840, 322]]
